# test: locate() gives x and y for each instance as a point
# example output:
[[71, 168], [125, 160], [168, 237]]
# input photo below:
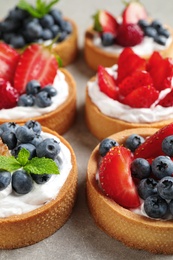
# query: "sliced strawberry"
[[36, 62], [115, 177], [8, 61], [136, 80], [133, 12], [128, 63], [105, 22], [142, 97], [129, 35], [9, 95], [167, 101], [107, 83], [161, 70], [152, 147]]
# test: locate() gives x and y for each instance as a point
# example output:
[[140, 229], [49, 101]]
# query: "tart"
[[106, 109], [105, 50], [134, 230], [20, 230]]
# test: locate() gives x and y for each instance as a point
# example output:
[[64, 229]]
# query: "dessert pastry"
[[35, 200], [43, 91], [26, 23], [105, 40], [133, 93], [113, 199]]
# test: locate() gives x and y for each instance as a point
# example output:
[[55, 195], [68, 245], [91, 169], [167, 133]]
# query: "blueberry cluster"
[[37, 95], [155, 30], [29, 137], [20, 28]]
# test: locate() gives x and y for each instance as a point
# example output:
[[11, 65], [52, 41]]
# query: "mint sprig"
[[39, 10], [36, 165]]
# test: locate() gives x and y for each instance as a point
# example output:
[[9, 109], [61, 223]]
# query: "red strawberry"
[[136, 80], [8, 61], [142, 97], [133, 12], [161, 70], [167, 101], [152, 147], [36, 62], [107, 83], [128, 63], [115, 177], [105, 22], [129, 35], [9, 95]]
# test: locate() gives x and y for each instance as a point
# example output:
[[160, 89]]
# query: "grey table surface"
[[79, 238]]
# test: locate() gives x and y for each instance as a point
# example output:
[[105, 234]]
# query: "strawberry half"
[[133, 12], [128, 63], [152, 147], [142, 97], [115, 177], [105, 22], [9, 95], [8, 61], [167, 101], [36, 62], [106, 83]]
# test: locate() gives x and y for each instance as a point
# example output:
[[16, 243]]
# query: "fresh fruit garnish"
[[128, 63], [136, 80], [115, 177], [161, 70], [129, 35], [142, 97], [8, 61], [38, 63], [152, 147], [105, 22], [167, 101], [9, 95], [107, 83], [133, 12]]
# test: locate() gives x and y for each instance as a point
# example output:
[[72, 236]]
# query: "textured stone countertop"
[[79, 238]]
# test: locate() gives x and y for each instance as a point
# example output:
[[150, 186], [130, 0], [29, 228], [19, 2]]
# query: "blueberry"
[[133, 141], [24, 134], [33, 87], [50, 90], [167, 145], [41, 178], [9, 26], [162, 166], [17, 41], [37, 139], [33, 30], [140, 168], [47, 21], [1, 131], [156, 24], [160, 39], [106, 145], [66, 27], [28, 146], [165, 188], [26, 100], [47, 34], [48, 148], [55, 30], [21, 182], [11, 126], [164, 32], [147, 187], [43, 99], [34, 126], [143, 23], [171, 206], [107, 39], [57, 16], [150, 31], [59, 162], [62, 36], [9, 138], [8, 36], [17, 14], [156, 207], [5, 179]]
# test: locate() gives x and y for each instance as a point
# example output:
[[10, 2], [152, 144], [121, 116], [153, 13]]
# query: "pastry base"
[[68, 49], [95, 56], [133, 230], [61, 119], [29, 228], [102, 126]]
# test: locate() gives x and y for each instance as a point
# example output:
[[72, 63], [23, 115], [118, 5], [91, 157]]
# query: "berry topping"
[[41, 178], [43, 99], [133, 12], [133, 141], [155, 206], [162, 166], [22, 182], [107, 39], [147, 187], [5, 179], [165, 188], [48, 148], [9, 95], [140, 168], [115, 177], [106, 145]]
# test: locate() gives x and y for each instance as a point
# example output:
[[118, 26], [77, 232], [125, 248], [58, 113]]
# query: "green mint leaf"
[[23, 156], [9, 163], [41, 166]]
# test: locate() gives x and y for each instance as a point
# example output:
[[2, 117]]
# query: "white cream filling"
[[115, 109], [20, 112], [13, 204]]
